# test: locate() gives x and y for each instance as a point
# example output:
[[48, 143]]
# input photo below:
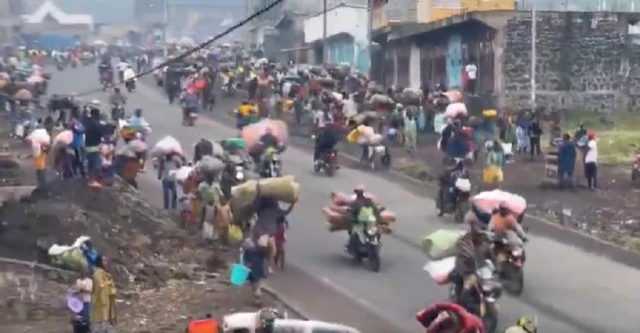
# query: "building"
[[50, 27], [585, 60], [10, 19], [346, 39]]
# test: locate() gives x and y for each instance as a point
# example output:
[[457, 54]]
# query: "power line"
[[197, 48]]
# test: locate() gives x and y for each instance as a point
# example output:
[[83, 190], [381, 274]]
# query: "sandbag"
[[387, 217], [182, 174], [165, 146], [441, 243], [39, 137], [380, 99], [218, 150], [456, 110], [137, 146], [72, 259], [63, 139], [335, 220], [284, 189], [210, 166]]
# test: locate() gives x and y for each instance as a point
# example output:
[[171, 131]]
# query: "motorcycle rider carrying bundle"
[[470, 249], [121, 67], [325, 143], [190, 104], [447, 183], [269, 143], [116, 100], [362, 209]]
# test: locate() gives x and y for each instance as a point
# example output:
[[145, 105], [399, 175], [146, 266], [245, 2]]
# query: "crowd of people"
[[336, 103]]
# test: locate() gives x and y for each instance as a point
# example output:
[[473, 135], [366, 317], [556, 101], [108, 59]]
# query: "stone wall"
[[585, 61]]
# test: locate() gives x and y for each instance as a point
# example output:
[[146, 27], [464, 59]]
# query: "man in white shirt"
[[472, 75], [121, 67], [591, 161], [84, 287]]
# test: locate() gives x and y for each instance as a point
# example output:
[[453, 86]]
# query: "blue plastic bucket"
[[239, 274]]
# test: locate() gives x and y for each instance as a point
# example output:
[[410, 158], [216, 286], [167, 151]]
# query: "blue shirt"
[[91, 255]]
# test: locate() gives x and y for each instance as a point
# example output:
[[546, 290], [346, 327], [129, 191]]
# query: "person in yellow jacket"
[[103, 300], [524, 325]]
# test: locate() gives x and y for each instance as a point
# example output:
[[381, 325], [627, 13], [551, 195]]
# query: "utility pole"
[[371, 5], [165, 23], [534, 36], [325, 42]]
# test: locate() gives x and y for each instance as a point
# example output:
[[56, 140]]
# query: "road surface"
[[568, 290]]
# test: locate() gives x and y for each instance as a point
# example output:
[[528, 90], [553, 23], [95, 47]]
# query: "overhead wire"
[[192, 50]]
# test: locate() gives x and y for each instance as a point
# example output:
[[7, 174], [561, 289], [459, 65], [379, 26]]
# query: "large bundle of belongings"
[[244, 196], [410, 97], [338, 214], [381, 102]]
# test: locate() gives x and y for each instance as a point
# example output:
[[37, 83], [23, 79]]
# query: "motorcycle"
[[131, 85], [272, 165], [461, 195], [117, 112], [486, 294], [189, 117], [328, 163], [60, 65], [74, 63], [376, 157], [106, 80], [365, 243], [510, 270]]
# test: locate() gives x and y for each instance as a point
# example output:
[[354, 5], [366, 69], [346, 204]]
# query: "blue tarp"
[[49, 41]]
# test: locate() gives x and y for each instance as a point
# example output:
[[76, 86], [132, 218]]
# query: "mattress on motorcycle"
[[284, 189]]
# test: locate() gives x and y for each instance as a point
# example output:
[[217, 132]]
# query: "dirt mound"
[[138, 239]]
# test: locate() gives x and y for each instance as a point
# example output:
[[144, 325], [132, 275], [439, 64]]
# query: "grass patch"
[[618, 134]]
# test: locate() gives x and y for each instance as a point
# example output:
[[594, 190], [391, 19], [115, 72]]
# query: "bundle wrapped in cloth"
[[209, 166], [283, 189], [165, 146], [251, 134], [338, 216]]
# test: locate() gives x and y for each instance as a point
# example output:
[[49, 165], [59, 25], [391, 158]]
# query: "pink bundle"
[[251, 134]]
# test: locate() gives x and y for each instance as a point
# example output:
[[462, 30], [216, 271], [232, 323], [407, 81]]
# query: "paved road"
[[569, 290]]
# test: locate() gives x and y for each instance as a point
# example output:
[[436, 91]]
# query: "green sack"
[[441, 244], [366, 214], [73, 260], [236, 143]]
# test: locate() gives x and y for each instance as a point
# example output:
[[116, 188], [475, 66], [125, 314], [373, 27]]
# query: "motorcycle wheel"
[[461, 209], [514, 280], [490, 318], [374, 258], [354, 250]]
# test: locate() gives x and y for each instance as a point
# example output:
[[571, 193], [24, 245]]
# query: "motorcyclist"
[[449, 318], [363, 210], [447, 182], [269, 142], [117, 98], [524, 325], [470, 249], [129, 76], [121, 67], [325, 143], [190, 103]]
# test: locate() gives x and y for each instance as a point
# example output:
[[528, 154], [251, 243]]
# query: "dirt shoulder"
[[163, 274]]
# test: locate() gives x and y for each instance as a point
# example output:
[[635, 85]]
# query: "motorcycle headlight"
[[517, 252], [240, 175], [372, 231]]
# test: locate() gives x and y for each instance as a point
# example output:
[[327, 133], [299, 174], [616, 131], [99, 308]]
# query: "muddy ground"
[[163, 273]]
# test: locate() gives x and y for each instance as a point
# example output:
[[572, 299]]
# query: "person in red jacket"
[[449, 318]]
